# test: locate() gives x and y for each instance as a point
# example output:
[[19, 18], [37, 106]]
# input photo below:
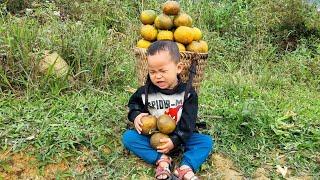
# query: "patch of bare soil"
[[18, 166], [51, 170], [224, 168], [260, 174]]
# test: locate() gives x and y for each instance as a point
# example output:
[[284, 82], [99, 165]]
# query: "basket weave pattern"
[[186, 58]]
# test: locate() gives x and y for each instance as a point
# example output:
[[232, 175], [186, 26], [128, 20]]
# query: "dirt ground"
[[22, 165]]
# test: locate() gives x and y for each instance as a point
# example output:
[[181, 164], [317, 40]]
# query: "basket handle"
[[192, 73]]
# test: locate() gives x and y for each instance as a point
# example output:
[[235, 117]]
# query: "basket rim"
[[138, 49]]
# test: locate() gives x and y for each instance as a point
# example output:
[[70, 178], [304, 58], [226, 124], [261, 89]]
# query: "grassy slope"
[[260, 102]]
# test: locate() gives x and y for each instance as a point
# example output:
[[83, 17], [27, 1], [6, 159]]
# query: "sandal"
[[164, 170], [182, 172]]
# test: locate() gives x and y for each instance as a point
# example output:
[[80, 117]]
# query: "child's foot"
[[185, 172], [163, 167]]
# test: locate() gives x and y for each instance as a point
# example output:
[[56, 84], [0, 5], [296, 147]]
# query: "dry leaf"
[[282, 170], [130, 89], [30, 137]]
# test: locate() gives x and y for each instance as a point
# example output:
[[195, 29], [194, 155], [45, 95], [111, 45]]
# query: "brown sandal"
[[182, 172], [164, 170]]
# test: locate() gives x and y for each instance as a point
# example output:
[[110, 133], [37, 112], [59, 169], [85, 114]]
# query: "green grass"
[[263, 115], [260, 97]]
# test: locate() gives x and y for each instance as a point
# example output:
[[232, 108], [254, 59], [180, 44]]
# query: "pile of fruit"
[[157, 127], [172, 24]]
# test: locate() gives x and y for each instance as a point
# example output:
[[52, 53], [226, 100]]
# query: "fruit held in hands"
[[149, 124], [166, 124], [155, 139]]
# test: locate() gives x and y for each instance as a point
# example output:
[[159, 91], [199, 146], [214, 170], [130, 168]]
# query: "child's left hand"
[[168, 146]]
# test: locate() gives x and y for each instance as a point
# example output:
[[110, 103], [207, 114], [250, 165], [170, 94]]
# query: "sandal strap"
[[194, 177], [165, 159], [163, 171], [183, 172]]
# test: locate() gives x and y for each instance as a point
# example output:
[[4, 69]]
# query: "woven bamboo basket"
[[186, 58]]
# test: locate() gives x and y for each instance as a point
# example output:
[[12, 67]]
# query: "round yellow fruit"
[[198, 47], [166, 124], [155, 139], [148, 16], [181, 47], [148, 32], [194, 46], [165, 35], [171, 8], [149, 124], [143, 43], [163, 22], [204, 46], [197, 34], [183, 19], [183, 34]]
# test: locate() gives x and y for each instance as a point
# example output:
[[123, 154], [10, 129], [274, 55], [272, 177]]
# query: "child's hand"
[[137, 122], [168, 146]]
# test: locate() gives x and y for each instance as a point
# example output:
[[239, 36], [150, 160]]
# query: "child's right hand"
[[137, 122]]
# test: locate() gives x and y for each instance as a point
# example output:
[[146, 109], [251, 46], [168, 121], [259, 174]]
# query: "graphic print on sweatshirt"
[[160, 104]]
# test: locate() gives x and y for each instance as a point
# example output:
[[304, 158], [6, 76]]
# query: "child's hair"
[[170, 46]]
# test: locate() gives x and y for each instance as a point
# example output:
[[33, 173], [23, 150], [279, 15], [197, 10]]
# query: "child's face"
[[163, 70]]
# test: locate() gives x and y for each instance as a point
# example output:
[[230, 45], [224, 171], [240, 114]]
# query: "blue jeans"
[[197, 148]]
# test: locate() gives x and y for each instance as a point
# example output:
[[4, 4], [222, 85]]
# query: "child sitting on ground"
[[164, 92]]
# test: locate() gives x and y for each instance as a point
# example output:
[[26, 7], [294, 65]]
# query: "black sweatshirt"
[[168, 101]]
